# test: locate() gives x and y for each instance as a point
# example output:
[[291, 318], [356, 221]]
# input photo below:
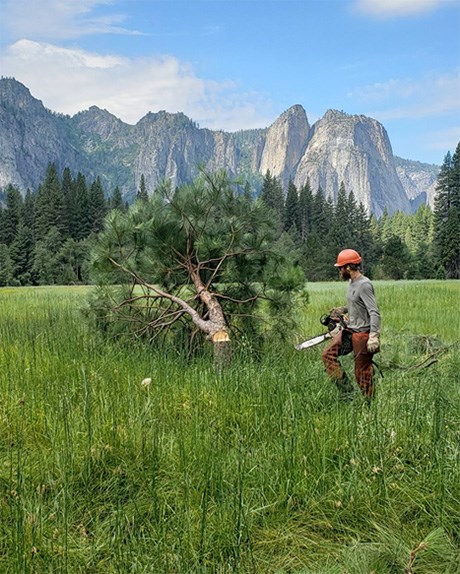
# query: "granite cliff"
[[338, 147]]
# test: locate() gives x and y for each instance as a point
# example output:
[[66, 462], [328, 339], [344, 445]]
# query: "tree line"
[[46, 237]]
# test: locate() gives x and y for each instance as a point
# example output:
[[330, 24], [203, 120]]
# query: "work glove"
[[337, 312], [373, 343]]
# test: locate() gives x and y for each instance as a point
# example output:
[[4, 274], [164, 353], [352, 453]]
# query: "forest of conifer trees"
[[46, 236]]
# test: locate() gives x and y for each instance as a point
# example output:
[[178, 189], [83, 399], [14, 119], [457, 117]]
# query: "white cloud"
[[71, 80], [58, 19], [434, 94], [390, 8]]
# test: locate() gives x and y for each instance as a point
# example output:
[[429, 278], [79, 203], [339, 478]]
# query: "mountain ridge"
[[353, 149]]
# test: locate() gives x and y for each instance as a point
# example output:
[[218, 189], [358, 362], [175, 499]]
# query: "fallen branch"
[[427, 362]]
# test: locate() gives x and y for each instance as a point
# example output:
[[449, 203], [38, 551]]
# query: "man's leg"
[[364, 369], [334, 369]]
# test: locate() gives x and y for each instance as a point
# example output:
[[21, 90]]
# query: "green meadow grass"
[[259, 469]]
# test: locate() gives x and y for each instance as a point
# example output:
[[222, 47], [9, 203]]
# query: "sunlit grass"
[[260, 469]]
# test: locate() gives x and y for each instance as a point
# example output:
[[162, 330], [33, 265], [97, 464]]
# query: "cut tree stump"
[[222, 350]]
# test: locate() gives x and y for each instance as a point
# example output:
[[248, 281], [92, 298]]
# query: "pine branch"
[[208, 326]]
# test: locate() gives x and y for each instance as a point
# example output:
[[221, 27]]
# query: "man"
[[362, 334]]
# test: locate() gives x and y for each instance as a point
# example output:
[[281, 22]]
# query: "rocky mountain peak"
[[285, 143], [336, 115], [31, 137], [94, 113], [16, 95], [355, 150], [166, 119], [99, 122]]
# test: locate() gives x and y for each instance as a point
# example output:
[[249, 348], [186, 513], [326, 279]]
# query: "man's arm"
[[368, 298]]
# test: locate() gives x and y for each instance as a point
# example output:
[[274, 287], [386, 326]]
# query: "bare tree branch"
[[210, 326]]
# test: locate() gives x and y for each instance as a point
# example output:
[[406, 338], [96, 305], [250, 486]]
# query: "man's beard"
[[345, 275]]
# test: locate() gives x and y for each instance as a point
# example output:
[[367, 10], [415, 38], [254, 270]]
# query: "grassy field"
[[116, 460]]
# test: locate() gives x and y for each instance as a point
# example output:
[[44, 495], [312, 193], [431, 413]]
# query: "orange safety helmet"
[[348, 256]]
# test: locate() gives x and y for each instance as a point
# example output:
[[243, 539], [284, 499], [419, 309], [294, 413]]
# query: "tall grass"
[[117, 460]]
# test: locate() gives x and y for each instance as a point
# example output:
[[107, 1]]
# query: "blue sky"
[[238, 64]]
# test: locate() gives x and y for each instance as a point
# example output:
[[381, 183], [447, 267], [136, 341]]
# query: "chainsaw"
[[334, 325]]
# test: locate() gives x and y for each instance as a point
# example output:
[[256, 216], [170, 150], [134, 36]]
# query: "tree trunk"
[[215, 326], [222, 350]]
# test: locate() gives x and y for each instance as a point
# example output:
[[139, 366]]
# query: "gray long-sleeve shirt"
[[363, 313]]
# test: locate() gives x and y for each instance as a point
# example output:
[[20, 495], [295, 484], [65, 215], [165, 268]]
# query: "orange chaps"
[[364, 369]]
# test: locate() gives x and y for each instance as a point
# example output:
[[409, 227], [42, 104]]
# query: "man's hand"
[[337, 312], [373, 343]]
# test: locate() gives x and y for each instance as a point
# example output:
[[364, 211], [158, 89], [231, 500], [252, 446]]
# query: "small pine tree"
[[202, 239], [116, 201], [291, 212], [142, 194]]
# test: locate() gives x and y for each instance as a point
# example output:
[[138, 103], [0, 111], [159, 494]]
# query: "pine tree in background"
[[72, 261], [451, 254], [11, 215], [21, 252], [424, 261], [363, 239], [45, 266], [80, 224], [273, 197], [6, 266], [28, 211], [36, 234], [442, 208], [142, 194], [343, 223], [317, 253], [116, 201], [419, 228], [247, 193], [399, 224], [317, 259], [49, 205], [305, 210], [321, 216], [396, 260], [291, 212], [97, 206], [266, 193], [67, 198], [384, 226], [447, 216], [456, 177]]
